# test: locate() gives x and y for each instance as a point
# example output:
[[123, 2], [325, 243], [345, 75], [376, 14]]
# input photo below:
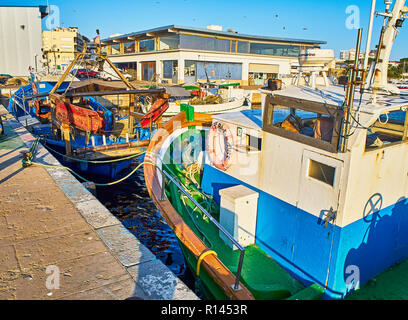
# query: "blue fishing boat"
[[83, 133]]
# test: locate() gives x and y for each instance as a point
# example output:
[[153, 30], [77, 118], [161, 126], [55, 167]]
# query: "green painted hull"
[[261, 275]]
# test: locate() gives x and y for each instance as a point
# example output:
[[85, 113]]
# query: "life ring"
[[156, 111], [220, 146]]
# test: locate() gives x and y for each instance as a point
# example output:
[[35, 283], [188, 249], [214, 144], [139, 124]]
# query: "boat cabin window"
[[321, 172], [253, 143], [389, 129], [312, 128]]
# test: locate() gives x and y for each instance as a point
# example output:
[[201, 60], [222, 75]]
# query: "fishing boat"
[[303, 199], [75, 123]]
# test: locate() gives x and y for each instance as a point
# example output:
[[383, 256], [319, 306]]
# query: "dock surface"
[[57, 241]]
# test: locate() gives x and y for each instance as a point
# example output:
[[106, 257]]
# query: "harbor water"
[[130, 202]]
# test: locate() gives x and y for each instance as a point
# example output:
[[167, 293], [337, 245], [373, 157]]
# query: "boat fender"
[[220, 140], [201, 258]]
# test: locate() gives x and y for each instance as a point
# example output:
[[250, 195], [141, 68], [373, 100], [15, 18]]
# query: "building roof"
[[170, 28], [44, 10]]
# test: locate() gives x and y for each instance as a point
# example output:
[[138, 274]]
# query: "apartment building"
[[60, 45]]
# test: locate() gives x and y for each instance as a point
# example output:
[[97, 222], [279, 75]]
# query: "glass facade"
[[274, 49], [243, 47], [115, 48], [200, 70], [184, 41], [147, 45], [129, 47], [148, 70], [170, 42], [170, 69], [204, 43]]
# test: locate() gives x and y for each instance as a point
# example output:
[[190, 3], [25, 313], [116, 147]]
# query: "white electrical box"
[[238, 213]]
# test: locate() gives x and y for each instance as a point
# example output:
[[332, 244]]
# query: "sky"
[[327, 20]]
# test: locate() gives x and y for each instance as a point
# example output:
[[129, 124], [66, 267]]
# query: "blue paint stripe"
[[299, 242]]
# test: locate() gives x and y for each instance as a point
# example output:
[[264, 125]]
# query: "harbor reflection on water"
[[130, 202]]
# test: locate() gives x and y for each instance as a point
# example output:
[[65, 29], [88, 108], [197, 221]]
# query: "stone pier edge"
[[150, 274]]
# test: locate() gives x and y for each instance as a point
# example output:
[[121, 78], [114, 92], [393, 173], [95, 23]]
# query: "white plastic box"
[[238, 214]]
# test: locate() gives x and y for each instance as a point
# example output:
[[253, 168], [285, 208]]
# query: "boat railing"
[[165, 175]]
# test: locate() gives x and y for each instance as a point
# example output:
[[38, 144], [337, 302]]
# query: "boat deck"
[[391, 284], [49, 220], [246, 118]]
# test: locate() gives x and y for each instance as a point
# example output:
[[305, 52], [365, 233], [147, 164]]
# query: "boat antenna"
[[349, 98], [369, 34]]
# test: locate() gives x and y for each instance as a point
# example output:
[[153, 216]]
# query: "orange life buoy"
[[220, 146]]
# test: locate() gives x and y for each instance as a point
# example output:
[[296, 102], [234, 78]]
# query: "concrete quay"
[[57, 241]]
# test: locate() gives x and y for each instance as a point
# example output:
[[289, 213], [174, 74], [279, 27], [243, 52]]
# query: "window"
[[389, 129], [219, 71], [128, 67], [115, 48], [243, 47], [146, 45], [148, 70], [319, 128], [129, 47], [321, 172], [274, 49], [170, 69], [170, 42], [233, 46], [253, 143], [204, 43]]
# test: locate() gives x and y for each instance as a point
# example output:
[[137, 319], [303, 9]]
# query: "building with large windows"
[[60, 45], [177, 54]]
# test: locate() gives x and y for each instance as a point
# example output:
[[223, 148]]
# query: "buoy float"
[[220, 146]]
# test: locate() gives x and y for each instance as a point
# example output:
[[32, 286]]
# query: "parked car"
[[4, 78], [111, 75], [85, 73]]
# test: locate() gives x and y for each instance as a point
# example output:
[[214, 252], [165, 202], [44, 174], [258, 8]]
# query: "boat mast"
[[369, 34], [349, 98], [379, 72]]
